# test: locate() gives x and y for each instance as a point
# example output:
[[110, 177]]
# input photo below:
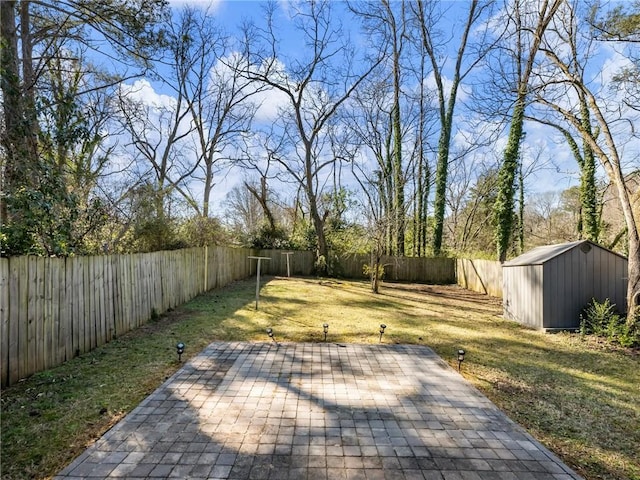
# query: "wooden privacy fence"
[[52, 309], [300, 263], [408, 269], [484, 276]]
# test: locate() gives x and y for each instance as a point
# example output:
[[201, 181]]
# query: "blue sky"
[[556, 168]]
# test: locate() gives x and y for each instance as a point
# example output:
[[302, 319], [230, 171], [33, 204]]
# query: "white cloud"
[[461, 96], [142, 91], [613, 64], [271, 104]]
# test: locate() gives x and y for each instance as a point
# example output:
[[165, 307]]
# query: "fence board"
[[18, 305], [48, 334], [87, 318], [75, 298], [484, 276], [32, 325], [115, 294], [125, 290], [4, 320], [99, 294], [64, 320], [109, 314], [135, 290]]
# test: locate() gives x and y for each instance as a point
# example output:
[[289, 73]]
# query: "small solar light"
[[382, 327], [325, 329], [180, 350], [460, 358], [270, 333]]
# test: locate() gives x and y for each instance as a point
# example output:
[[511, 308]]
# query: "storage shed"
[[547, 287]]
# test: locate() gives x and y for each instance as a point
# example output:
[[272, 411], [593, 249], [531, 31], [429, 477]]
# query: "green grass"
[[578, 397]]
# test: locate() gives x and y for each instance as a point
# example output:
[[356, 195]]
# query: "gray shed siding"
[[565, 289], [551, 292], [522, 295]]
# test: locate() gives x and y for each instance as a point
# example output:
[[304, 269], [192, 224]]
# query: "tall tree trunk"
[[503, 207], [520, 208], [442, 169], [20, 122], [424, 173], [398, 184], [446, 108], [588, 194], [28, 80], [12, 106], [396, 127]]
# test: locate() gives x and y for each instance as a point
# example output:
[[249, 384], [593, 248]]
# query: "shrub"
[[601, 319], [629, 335]]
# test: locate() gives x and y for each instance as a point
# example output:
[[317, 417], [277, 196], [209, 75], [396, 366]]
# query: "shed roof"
[[540, 255]]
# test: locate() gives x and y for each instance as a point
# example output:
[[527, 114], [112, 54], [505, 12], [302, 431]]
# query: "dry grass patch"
[[580, 398]]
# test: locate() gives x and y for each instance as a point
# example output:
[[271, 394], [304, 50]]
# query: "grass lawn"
[[579, 397]]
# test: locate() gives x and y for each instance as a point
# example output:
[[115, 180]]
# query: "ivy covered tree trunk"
[[423, 175], [442, 169], [446, 107], [396, 123], [398, 182], [520, 209], [18, 140], [503, 211], [588, 192]]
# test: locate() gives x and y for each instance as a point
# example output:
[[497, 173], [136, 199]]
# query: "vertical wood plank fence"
[[300, 263], [484, 276], [53, 309], [406, 269]]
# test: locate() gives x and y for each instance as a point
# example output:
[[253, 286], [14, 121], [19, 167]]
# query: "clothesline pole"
[[288, 254], [258, 277]]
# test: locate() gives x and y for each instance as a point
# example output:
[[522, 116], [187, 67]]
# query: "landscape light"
[[270, 333], [180, 350], [382, 327], [325, 328], [460, 358]]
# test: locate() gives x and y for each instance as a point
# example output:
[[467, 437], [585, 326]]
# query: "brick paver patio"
[[316, 411]]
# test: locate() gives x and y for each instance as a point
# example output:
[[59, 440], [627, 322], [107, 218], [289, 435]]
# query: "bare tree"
[[218, 97], [158, 144], [467, 58], [314, 89], [606, 140], [528, 22], [243, 213]]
